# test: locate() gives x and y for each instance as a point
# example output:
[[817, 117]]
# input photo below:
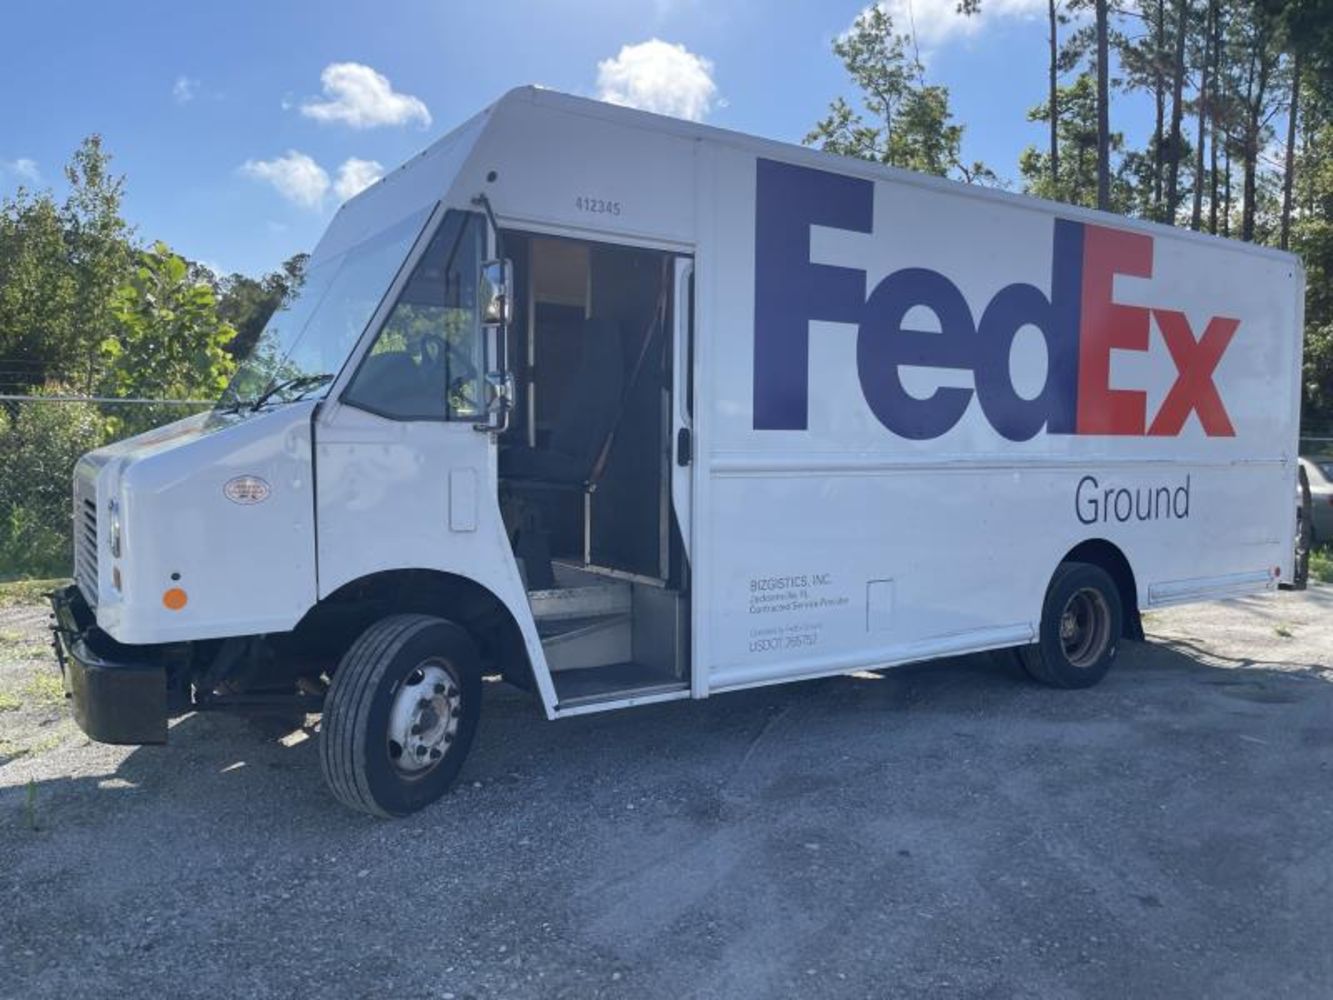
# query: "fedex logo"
[[1079, 321]]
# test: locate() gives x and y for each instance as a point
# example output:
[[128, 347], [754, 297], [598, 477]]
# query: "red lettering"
[[1195, 363], [1107, 325]]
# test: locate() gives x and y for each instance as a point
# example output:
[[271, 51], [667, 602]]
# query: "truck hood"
[[168, 487], [159, 439]]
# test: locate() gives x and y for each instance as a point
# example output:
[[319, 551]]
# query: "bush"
[[1321, 564], [39, 443]]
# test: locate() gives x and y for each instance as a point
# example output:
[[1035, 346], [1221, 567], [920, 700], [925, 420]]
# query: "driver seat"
[[585, 418], [583, 425]]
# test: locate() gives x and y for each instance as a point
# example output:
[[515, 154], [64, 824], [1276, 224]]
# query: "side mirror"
[[496, 292]]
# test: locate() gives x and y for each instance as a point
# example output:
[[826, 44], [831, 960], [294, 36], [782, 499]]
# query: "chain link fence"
[[41, 437]]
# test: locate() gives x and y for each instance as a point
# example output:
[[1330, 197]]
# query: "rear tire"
[[1081, 623], [400, 715]]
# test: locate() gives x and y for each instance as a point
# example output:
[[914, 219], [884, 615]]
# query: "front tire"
[[400, 715], [1081, 624]]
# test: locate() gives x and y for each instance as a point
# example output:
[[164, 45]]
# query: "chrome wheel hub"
[[423, 721]]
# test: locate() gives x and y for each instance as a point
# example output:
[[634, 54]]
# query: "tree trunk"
[[1218, 105], [1159, 101], [1289, 167], [1103, 109], [1255, 93], [1177, 111], [1054, 99], [1226, 186], [1196, 209]]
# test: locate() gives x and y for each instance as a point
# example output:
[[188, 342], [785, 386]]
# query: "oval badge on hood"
[[246, 490]]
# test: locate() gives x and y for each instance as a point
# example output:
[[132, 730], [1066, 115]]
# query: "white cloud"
[[184, 89], [658, 76], [23, 168], [297, 177], [938, 21], [355, 175], [363, 98]]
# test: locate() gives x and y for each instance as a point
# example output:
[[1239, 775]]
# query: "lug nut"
[[416, 730], [439, 689], [435, 755], [421, 751]]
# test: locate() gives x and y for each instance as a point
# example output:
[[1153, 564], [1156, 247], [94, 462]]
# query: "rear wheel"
[[1081, 623], [400, 715]]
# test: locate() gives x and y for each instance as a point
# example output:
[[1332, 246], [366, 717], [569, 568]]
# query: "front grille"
[[85, 542]]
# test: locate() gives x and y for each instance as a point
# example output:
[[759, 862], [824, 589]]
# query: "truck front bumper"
[[118, 696]]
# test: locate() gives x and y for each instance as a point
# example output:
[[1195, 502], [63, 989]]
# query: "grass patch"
[[1283, 631], [17, 593], [45, 689], [8, 703], [11, 750], [1321, 564]]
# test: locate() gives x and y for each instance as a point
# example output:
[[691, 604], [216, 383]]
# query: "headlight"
[[113, 531]]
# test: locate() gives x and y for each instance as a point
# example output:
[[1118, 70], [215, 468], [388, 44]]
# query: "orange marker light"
[[174, 599]]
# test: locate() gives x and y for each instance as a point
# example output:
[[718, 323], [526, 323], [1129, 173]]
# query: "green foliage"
[[1321, 564], [37, 292], [1076, 133], [169, 341], [39, 445], [902, 121], [1312, 238], [58, 267], [83, 311]]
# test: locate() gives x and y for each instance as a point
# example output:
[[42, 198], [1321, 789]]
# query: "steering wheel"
[[437, 352], [441, 358]]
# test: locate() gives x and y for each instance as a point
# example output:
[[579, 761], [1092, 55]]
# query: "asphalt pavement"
[[948, 829]]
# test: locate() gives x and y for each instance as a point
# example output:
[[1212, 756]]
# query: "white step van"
[[630, 409]]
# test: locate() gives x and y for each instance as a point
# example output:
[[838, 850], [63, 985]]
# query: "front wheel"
[[1081, 623], [400, 715]]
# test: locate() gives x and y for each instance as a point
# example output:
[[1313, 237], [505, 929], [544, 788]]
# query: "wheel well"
[[331, 626], [1107, 555]]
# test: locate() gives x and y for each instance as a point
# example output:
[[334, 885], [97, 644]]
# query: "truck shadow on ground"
[[981, 704]]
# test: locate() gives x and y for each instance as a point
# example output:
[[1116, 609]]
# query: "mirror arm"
[[485, 203]]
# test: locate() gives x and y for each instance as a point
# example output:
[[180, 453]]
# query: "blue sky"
[[240, 124]]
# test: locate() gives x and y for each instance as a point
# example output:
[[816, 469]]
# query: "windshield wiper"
[[301, 384]]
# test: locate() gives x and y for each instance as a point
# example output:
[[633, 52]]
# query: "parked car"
[[1320, 473]]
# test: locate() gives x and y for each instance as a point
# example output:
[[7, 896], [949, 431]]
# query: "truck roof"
[[468, 134], [793, 152]]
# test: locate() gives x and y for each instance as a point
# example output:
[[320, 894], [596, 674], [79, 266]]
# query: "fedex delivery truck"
[[629, 410]]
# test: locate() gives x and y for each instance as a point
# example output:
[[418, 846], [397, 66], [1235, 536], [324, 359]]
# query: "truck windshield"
[[309, 336]]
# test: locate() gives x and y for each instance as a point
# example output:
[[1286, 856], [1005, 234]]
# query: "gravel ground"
[[943, 830]]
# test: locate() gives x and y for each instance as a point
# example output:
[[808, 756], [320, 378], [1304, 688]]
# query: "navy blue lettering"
[[882, 345], [790, 291], [1016, 306]]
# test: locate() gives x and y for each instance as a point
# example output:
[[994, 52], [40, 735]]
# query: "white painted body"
[[814, 551]]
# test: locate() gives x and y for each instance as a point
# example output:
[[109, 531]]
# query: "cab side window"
[[426, 361]]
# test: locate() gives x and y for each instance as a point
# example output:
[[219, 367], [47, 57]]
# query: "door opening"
[[585, 469]]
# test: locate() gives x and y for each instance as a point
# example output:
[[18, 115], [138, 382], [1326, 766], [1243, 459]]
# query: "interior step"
[[584, 600], [574, 643], [613, 682]]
